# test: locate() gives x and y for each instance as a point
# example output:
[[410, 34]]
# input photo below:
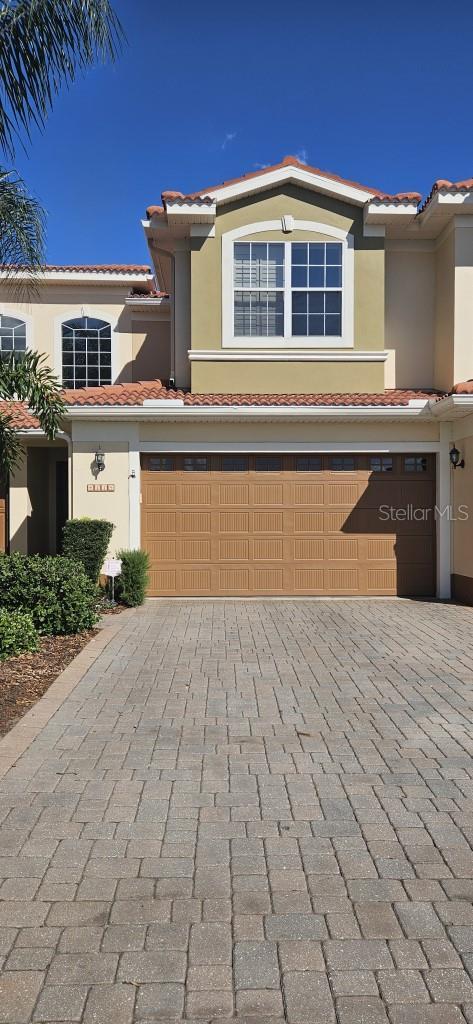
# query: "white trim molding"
[[221, 355], [348, 262], [420, 408], [325, 447], [82, 277], [298, 175], [16, 309]]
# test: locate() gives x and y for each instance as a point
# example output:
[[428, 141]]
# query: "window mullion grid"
[[287, 291]]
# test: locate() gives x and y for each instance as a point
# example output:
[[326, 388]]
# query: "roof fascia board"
[[298, 175], [453, 407], [445, 197], [377, 212], [188, 211]]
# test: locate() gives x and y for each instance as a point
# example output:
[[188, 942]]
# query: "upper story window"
[[316, 279], [86, 352], [258, 275], [12, 335], [287, 289]]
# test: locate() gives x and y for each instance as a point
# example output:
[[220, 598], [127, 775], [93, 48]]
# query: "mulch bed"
[[24, 679]]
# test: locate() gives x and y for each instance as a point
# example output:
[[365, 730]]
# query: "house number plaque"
[[101, 488]]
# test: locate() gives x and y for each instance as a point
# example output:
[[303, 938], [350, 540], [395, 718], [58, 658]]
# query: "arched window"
[[86, 352], [12, 335]]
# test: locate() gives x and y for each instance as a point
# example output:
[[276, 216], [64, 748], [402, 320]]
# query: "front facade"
[[274, 400]]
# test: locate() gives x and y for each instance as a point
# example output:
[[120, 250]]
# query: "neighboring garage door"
[[289, 524]]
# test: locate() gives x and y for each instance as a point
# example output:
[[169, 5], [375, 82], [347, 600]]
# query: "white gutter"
[[80, 277], [173, 409], [452, 407]]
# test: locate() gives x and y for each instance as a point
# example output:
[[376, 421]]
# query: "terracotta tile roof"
[[138, 293], [116, 395], [88, 268], [464, 388], [136, 394], [398, 197], [101, 268], [203, 195], [20, 417], [288, 161], [444, 185]]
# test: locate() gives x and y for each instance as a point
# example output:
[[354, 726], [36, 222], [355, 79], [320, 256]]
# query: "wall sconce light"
[[98, 464], [455, 460]]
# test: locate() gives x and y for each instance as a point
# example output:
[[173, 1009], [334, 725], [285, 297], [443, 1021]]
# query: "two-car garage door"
[[268, 524]]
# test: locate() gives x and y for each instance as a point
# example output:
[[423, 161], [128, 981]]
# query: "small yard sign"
[[112, 567]]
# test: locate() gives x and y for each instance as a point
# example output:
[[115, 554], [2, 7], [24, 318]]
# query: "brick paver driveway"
[[259, 809]]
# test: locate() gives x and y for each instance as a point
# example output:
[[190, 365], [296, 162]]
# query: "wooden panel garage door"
[[289, 524]]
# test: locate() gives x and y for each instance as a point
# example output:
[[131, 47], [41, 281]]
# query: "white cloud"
[[261, 167], [302, 155], [229, 137]]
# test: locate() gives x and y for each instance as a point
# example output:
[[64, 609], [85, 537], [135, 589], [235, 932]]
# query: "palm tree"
[[44, 44], [28, 380]]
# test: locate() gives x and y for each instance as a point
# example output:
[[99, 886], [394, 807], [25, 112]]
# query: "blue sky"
[[376, 93]]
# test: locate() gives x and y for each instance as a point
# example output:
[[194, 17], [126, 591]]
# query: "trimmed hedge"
[[17, 634], [132, 583], [55, 590], [87, 540]]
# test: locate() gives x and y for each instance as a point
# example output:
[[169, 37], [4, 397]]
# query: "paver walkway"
[[259, 809]]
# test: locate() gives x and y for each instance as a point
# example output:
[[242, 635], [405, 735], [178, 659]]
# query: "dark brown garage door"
[[218, 525]]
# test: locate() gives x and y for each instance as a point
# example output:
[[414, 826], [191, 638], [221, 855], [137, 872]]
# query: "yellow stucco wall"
[[114, 439], [285, 377], [52, 303], [410, 305], [463, 357], [286, 432], [206, 262], [444, 313], [151, 351]]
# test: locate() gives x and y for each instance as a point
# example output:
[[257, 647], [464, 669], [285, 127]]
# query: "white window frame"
[[9, 310], [72, 314], [329, 233]]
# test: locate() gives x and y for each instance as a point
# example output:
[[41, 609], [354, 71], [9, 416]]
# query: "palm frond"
[[29, 380], [21, 233], [32, 381], [43, 45], [11, 448]]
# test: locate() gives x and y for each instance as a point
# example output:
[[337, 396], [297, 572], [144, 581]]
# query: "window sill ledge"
[[286, 354]]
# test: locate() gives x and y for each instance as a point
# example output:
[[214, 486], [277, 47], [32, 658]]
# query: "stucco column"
[[463, 356], [134, 486], [182, 312], [19, 508], [444, 525]]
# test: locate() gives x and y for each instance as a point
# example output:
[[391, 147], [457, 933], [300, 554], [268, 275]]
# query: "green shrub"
[[17, 633], [131, 585], [87, 540], [55, 590]]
